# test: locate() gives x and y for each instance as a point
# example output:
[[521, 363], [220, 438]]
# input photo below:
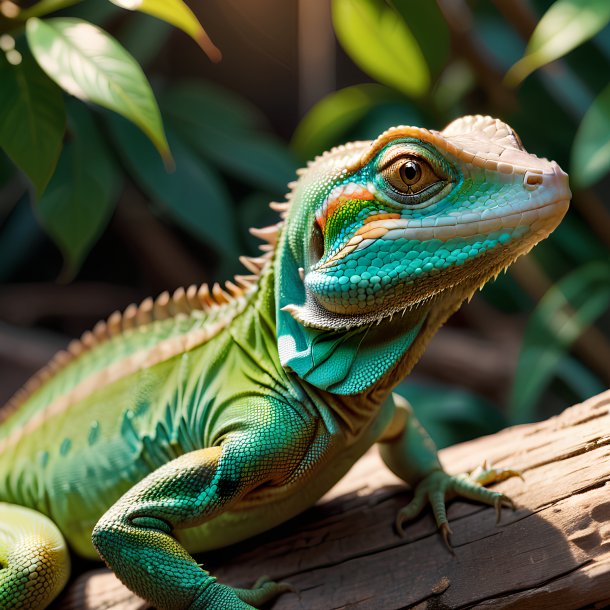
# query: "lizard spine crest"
[[182, 302]]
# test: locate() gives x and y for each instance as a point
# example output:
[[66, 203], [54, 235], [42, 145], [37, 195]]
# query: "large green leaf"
[[591, 148], [563, 27], [91, 65], [562, 315], [33, 118], [429, 28], [328, 122], [375, 36], [192, 194], [223, 130], [178, 14], [82, 193]]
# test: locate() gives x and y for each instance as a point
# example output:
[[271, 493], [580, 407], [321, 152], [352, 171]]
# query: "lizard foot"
[[439, 487], [264, 590]]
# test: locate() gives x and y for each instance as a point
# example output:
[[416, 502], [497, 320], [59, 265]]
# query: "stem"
[[45, 7]]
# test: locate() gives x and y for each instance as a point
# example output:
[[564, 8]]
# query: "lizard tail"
[[33, 556]]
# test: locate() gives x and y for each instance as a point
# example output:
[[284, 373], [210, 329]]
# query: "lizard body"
[[196, 420]]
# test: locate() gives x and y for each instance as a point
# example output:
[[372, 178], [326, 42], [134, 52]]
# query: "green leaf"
[[380, 42], [178, 14], [567, 24], [562, 315], [91, 65], [427, 24], [223, 130], [455, 82], [328, 122], [215, 103], [81, 196], [591, 148], [33, 118], [192, 194]]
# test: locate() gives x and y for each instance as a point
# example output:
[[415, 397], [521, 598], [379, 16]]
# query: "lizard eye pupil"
[[410, 172]]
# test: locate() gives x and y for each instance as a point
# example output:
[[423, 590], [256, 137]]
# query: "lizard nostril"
[[532, 180]]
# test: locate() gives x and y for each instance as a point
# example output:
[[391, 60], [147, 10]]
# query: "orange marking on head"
[[333, 204], [381, 217]]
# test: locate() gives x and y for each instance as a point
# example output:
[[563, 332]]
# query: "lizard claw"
[[439, 487], [446, 532], [500, 501]]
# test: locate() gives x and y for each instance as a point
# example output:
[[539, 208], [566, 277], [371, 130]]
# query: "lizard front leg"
[[135, 536], [410, 453]]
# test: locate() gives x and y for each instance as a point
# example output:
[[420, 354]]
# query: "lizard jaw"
[[465, 282]]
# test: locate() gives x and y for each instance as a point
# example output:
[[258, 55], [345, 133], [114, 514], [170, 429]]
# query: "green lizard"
[[196, 420]]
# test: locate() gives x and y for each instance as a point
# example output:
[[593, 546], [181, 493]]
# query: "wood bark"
[[553, 551]]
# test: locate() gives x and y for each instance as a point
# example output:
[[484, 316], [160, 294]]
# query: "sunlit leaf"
[[326, 124], [223, 130], [375, 36], [91, 65], [567, 24], [562, 315], [179, 15], [82, 193], [192, 195], [591, 148], [33, 118]]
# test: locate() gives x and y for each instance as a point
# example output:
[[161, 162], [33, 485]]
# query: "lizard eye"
[[409, 177]]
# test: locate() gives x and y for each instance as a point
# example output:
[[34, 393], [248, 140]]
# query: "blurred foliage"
[[207, 161], [76, 164], [562, 315]]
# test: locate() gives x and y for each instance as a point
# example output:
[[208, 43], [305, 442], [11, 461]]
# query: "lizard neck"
[[343, 361]]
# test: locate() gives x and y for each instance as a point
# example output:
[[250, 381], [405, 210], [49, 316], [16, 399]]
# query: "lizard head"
[[413, 219]]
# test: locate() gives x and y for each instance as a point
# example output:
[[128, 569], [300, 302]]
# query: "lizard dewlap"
[[198, 419]]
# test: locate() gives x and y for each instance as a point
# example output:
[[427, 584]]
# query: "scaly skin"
[[197, 420]]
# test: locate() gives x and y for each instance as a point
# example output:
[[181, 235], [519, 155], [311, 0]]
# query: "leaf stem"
[[44, 7]]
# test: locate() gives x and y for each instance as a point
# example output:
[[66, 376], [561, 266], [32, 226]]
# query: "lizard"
[[198, 419]]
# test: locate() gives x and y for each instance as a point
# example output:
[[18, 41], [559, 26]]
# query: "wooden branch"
[[552, 552]]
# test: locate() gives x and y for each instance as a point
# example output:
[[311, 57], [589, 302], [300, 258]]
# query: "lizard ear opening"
[[316, 245]]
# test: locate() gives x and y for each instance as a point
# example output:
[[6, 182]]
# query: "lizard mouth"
[[542, 218]]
